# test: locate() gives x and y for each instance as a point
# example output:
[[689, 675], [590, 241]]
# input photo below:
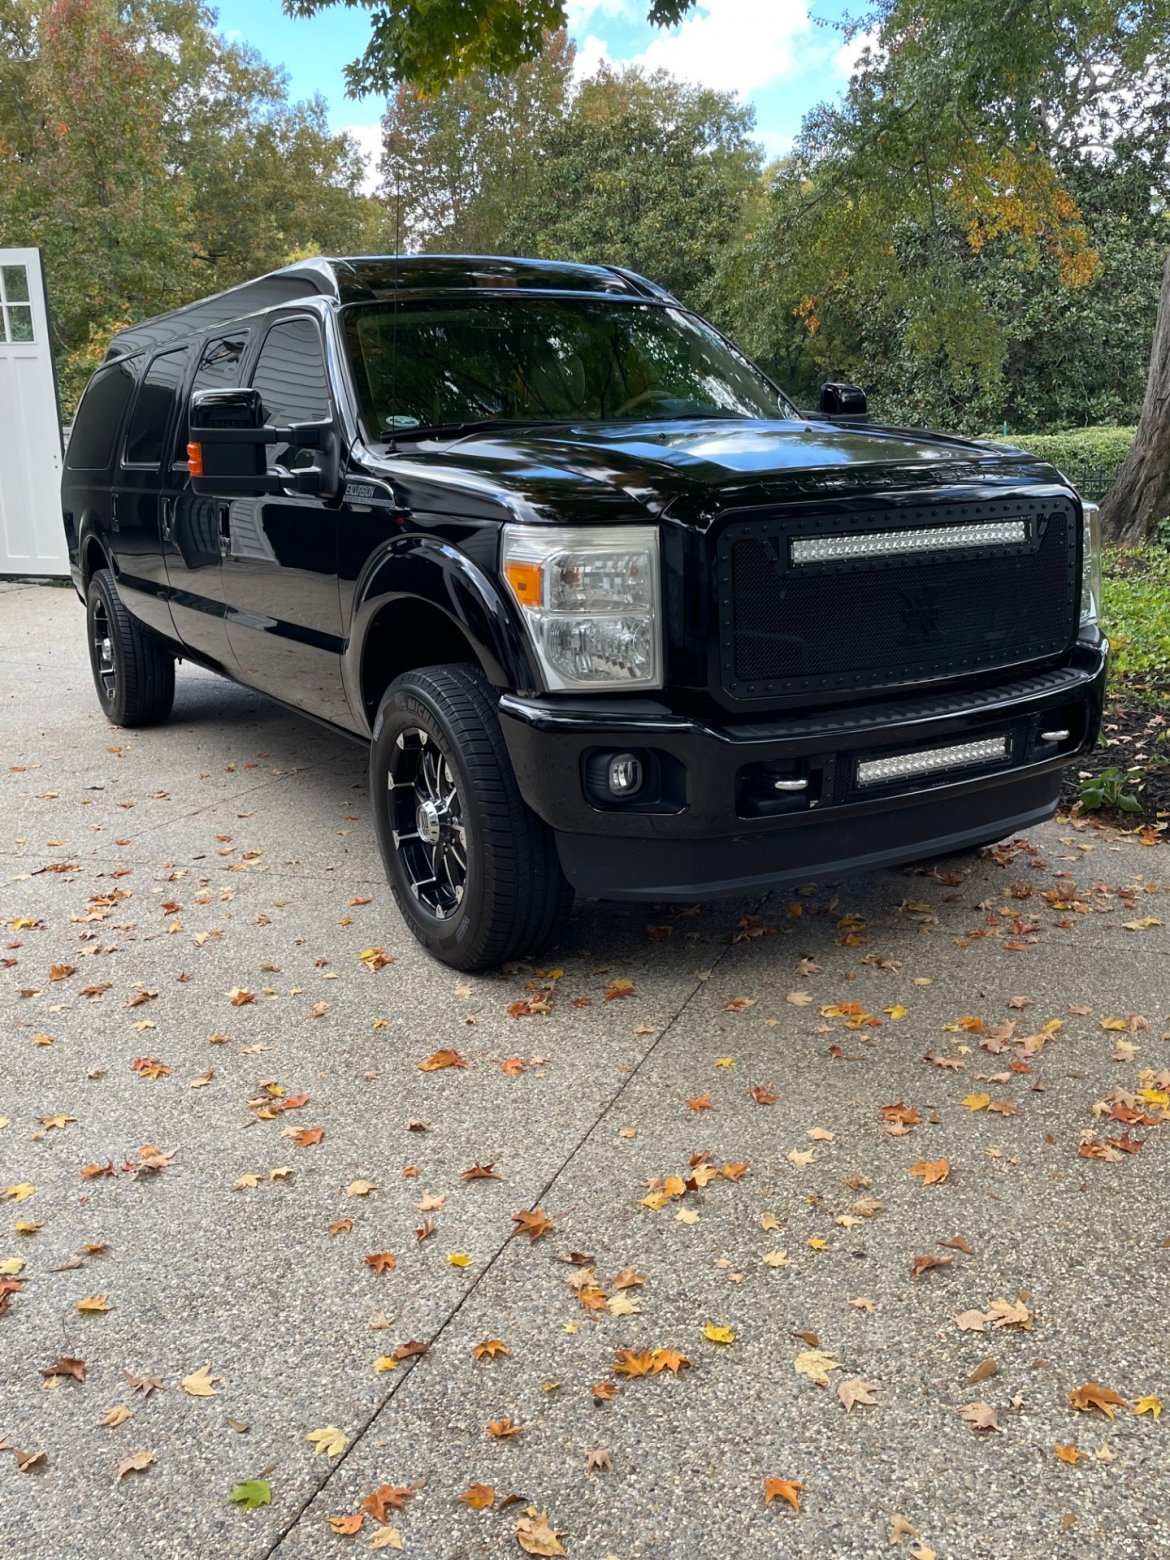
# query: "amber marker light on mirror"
[[195, 459]]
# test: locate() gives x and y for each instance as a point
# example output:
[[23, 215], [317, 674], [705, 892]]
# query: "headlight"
[[589, 600], [1091, 569]]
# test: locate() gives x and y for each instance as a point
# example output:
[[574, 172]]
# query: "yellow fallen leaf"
[[725, 1061], [718, 1334], [91, 1304], [281, 1173], [896, 1011], [18, 1193], [386, 1538], [1149, 1405], [776, 1258], [687, 1216], [115, 1416], [384, 1363], [459, 1259], [330, 1441], [816, 1365], [245, 1182], [818, 1243], [11, 1266], [977, 1101]]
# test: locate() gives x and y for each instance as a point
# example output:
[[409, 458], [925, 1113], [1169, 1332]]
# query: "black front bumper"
[[716, 826]]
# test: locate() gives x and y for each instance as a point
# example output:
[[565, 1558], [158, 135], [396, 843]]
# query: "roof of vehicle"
[[371, 278]]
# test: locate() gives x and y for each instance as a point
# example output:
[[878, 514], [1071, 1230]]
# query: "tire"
[[496, 889], [133, 674]]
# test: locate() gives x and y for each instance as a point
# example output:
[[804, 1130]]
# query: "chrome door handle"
[[168, 519], [224, 518]]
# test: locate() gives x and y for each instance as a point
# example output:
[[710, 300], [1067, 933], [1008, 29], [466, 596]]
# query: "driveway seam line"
[[386, 1401]]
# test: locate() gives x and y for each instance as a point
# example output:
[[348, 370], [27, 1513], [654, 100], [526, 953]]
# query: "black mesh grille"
[[790, 627]]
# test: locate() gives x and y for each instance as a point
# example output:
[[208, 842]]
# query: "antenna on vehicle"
[[393, 449]]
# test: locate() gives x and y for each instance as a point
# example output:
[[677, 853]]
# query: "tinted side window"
[[99, 417], [152, 409], [219, 368], [290, 373], [293, 383]]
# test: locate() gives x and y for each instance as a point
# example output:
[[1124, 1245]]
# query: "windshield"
[[544, 360]]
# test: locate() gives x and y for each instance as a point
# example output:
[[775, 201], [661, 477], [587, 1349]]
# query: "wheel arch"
[[425, 603]]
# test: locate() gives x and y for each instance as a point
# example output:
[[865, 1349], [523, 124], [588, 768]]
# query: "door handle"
[[224, 518], [168, 519], [113, 511]]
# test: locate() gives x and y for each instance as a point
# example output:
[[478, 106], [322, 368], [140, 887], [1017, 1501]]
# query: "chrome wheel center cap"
[[430, 825], [107, 653]]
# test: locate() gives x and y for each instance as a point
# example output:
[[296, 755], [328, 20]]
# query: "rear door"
[[193, 528], [139, 483], [280, 559]]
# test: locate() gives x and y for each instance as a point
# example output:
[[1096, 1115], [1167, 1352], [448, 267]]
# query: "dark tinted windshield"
[[540, 359]]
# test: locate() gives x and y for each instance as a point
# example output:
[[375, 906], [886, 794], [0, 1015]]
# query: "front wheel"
[[472, 869]]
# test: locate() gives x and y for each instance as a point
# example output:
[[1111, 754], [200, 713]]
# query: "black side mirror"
[[841, 400], [228, 451]]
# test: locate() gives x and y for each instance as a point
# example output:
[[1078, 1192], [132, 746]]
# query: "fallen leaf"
[[388, 1497], [534, 1534], [501, 1429], [329, 1442], [982, 1372], [135, 1463], [360, 1188], [65, 1365], [1070, 1454], [1091, 1396], [200, 1383], [382, 1261], [931, 1171], [854, 1390], [115, 1416], [92, 1304], [347, 1526], [252, 1493], [816, 1365], [440, 1060], [480, 1497], [783, 1489], [1149, 1405], [533, 1222], [718, 1334], [980, 1416], [599, 1461], [490, 1348]]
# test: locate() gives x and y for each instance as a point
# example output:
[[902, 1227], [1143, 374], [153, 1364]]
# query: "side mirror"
[[228, 451], [841, 400]]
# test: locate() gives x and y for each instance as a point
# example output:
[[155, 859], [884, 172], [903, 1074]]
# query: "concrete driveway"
[[778, 1140]]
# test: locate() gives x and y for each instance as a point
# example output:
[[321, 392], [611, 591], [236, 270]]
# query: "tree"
[[462, 159], [433, 43], [962, 129], [153, 162], [645, 172]]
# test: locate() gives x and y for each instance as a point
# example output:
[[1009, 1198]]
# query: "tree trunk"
[[1140, 497]]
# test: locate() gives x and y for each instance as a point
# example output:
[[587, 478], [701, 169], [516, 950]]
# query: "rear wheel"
[[132, 672], [473, 870]]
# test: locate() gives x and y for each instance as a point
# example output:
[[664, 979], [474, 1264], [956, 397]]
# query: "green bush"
[[1136, 616], [1078, 447]]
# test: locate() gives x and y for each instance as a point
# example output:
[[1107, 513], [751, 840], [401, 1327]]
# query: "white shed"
[[32, 538]]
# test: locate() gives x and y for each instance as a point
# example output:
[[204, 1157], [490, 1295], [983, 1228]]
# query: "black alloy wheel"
[[427, 822], [133, 672], [474, 872]]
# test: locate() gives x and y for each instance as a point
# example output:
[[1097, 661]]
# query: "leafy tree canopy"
[[433, 43]]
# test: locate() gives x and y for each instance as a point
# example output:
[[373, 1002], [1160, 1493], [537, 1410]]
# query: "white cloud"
[[776, 143], [592, 54], [846, 58], [369, 141], [733, 45], [582, 12]]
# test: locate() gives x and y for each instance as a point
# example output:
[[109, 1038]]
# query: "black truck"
[[613, 616]]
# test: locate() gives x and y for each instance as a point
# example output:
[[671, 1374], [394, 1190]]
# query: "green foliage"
[[252, 1493], [433, 43], [1076, 448], [1136, 616], [1107, 789], [153, 162], [462, 160]]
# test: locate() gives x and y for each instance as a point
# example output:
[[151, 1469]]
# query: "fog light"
[[624, 775]]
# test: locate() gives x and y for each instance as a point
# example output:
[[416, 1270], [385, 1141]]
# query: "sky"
[[783, 56]]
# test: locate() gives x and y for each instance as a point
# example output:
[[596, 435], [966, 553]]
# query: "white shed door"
[[32, 538]]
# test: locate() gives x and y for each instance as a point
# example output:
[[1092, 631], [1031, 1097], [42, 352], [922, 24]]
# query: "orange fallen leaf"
[[533, 1222], [440, 1060], [480, 1497], [382, 1261], [931, 1171], [783, 1489], [1091, 1396], [501, 1429]]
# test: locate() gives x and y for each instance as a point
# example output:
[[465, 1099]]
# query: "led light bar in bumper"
[[904, 766], [896, 544]]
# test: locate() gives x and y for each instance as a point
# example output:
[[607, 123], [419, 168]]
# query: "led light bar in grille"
[[894, 544], [902, 766]]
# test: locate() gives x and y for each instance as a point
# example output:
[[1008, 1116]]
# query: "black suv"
[[611, 613]]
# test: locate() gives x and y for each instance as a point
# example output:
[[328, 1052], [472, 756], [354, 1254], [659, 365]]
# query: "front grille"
[[843, 602]]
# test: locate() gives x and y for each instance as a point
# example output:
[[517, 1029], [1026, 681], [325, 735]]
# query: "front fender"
[[430, 570]]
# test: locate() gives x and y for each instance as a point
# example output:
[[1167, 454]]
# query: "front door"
[[193, 528], [280, 553]]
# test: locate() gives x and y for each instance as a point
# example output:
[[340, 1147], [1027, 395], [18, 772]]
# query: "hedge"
[[1077, 448]]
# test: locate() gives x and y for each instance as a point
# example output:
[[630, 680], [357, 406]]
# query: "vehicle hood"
[[690, 470]]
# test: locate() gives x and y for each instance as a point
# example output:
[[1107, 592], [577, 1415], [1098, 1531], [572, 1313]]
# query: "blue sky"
[[781, 55]]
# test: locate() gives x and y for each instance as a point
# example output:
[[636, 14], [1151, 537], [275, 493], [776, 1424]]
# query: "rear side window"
[[99, 418], [152, 409]]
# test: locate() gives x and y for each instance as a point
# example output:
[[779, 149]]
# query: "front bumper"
[[716, 826]]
